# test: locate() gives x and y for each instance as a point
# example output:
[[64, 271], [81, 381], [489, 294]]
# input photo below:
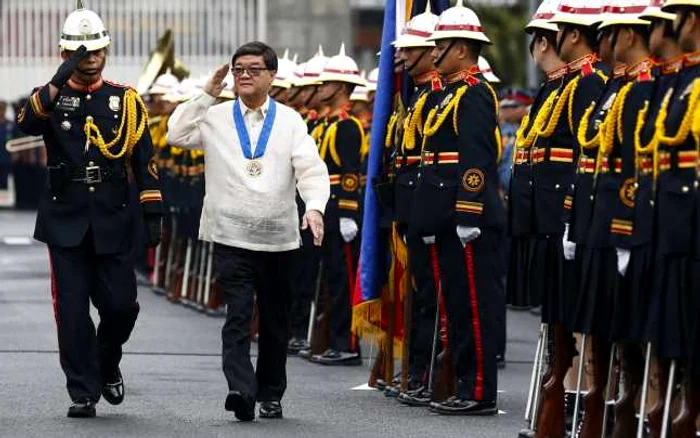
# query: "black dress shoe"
[[526, 433], [418, 397], [392, 391], [114, 392], [335, 357], [500, 361], [270, 409], [457, 406], [82, 409], [243, 406]]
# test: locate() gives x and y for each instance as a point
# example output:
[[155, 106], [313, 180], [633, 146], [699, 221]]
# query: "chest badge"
[[66, 125], [114, 103], [446, 101]]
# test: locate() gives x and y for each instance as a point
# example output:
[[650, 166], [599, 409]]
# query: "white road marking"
[[363, 387], [17, 240]]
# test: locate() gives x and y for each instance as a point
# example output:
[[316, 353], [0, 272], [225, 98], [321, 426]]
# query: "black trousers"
[[304, 284], [79, 275], [424, 308], [469, 277], [243, 274], [337, 255]]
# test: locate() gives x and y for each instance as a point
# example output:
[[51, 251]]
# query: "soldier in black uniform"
[[404, 150], [84, 215], [458, 211], [676, 208], [340, 147]]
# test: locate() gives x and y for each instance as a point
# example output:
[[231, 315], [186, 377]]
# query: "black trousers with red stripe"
[[80, 275], [469, 276], [339, 265]]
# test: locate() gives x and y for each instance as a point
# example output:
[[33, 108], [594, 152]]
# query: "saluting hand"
[[314, 219], [65, 71], [216, 83]]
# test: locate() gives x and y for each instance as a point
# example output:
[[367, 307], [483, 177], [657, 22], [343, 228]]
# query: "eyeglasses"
[[252, 71]]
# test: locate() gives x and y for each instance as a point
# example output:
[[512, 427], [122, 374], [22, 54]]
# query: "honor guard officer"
[[619, 172], [94, 130], [520, 224], [522, 289], [676, 208], [340, 147], [458, 211], [406, 140]]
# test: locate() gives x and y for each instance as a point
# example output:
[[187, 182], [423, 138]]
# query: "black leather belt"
[[90, 174]]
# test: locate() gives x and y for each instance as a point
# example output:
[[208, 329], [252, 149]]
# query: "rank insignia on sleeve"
[[628, 191], [473, 180], [153, 168], [350, 183]]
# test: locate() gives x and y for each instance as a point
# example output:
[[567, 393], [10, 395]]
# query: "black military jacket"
[[406, 153], [633, 222], [555, 152], [678, 157], [85, 190], [616, 173], [588, 143], [458, 178], [340, 146], [520, 211]]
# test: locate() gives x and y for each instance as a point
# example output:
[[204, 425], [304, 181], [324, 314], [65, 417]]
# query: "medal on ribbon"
[[253, 166]]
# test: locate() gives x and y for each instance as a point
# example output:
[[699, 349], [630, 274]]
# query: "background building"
[[206, 32]]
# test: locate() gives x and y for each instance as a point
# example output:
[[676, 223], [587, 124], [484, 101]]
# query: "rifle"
[[684, 423], [406, 342], [552, 422], [594, 403], [318, 321], [657, 411], [625, 421]]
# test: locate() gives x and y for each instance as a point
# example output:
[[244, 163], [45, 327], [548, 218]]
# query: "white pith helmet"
[[83, 27], [459, 22], [541, 20], [341, 68], [418, 30]]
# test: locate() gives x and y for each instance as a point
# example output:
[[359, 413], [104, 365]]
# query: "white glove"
[[569, 247], [429, 240], [348, 228], [467, 234], [623, 260]]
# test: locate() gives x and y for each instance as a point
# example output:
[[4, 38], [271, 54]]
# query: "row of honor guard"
[[602, 219]]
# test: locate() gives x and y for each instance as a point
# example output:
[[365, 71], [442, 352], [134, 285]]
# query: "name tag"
[[68, 103]]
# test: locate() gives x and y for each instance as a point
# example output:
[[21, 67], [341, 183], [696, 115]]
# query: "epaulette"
[[584, 64], [116, 84]]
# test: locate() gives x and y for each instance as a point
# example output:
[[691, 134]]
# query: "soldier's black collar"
[[557, 73], [85, 88], [673, 65], [692, 59], [584, 64], [432, 77], [641, 70], [467, 75], [620, 70]]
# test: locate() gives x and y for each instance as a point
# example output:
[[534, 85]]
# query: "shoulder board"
[[115, 84]]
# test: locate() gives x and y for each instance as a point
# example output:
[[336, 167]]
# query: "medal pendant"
[[254, 168]]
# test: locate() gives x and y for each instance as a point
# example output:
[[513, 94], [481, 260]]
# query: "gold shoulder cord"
[[525, 141], [611, 128], [497, 131], [390, 129], [432, 125], [364, 143], [329, 141], [688, 119], [553, 121], [328, 138], [413, 124], [134, 128]]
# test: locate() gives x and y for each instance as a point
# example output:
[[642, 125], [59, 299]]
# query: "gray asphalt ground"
[[175, 386]]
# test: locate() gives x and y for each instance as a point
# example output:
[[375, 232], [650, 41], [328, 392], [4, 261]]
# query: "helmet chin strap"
[[332, 96], [677, 30], [444, 53], [311, 97], [560, 43], [410, 67]]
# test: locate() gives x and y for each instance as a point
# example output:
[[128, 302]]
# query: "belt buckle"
[[93, 175]]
